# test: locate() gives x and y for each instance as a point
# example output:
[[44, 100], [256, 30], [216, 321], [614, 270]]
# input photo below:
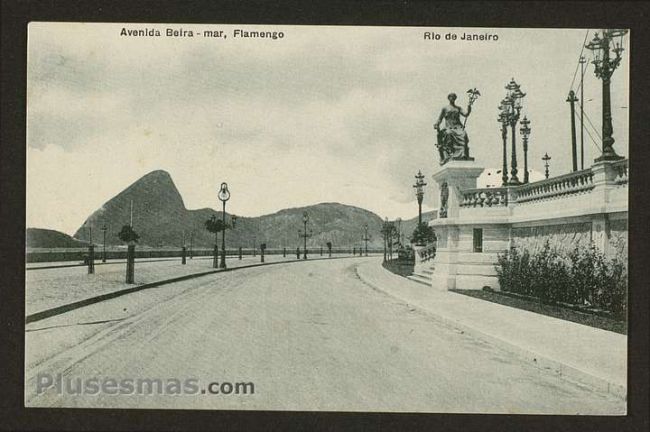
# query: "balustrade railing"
[[567, 184], [427, 253], [488, 197]]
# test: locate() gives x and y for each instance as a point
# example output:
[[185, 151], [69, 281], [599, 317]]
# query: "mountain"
[[46, 238], [160, 218], [408, 225]]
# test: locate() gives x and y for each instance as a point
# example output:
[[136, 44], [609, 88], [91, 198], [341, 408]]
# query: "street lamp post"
[[572, 99], [582, 62], [525, 133], [104, 229], [233, 223], [604, 69], [304, 234], [91, 251], [224, 195], [183, 251], [419, 193], [546, 158], [365, 237]]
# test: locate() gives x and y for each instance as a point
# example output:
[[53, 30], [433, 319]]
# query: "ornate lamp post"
[[525, 133], [546, 158], [224, 195], [503, 119], [304, 234], [604, 69], [513, 106], [419, 193], [104, 229]]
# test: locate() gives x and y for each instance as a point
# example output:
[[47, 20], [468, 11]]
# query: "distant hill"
[[160, 217], [46, 238]]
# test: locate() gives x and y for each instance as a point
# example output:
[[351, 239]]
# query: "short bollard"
[[215, 260], [183, 260], [91, 259], [130, 264], [240, 252], [284, 252]]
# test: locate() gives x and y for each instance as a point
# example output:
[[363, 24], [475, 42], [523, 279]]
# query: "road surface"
[[307, 335]]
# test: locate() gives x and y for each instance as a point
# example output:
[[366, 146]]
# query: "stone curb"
[[540, 361], [58, 310]]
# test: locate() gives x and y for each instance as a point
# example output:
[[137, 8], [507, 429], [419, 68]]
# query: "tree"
[[388, 231], [215, 226], [423, 234], [127, 234]]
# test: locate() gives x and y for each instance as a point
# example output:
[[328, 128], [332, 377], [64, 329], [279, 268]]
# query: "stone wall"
[[562, 237], [618, 237]]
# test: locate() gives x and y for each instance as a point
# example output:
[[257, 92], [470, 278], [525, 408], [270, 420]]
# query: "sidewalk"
[[589, 355], [60, 287], [53, 287]]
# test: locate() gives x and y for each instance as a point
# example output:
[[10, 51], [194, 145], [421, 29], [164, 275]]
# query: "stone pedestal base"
[[459, 262]]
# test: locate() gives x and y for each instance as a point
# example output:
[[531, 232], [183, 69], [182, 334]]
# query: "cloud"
[[326, 114]]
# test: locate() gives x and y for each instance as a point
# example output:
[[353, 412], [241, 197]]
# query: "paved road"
[[309, 335]]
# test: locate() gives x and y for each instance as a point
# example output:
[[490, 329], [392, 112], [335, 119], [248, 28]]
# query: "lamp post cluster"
[[510, 112], [419, 192], [604, 67]]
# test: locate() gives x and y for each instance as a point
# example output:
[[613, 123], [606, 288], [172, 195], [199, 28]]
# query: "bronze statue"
[[452, 138]]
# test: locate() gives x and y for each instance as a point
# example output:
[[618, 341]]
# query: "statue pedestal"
[[458, 175], [452, 178]]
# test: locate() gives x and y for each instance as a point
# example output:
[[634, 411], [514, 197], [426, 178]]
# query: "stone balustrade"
[[486, 197], [567, 184]]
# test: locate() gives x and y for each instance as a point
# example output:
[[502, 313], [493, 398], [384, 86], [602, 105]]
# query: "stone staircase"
[[422, 276]]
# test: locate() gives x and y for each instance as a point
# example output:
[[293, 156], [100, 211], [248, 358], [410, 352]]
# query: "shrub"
[[583, 276], [423, 234]]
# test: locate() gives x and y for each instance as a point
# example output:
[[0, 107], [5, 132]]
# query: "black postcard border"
[[17, 13]]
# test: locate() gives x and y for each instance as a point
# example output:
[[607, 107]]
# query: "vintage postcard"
[[327, 218]]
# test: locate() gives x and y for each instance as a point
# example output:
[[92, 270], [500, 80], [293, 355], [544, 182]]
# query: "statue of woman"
[[452, 138]]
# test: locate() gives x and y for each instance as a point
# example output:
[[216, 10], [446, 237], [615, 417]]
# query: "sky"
[[323, 114]]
